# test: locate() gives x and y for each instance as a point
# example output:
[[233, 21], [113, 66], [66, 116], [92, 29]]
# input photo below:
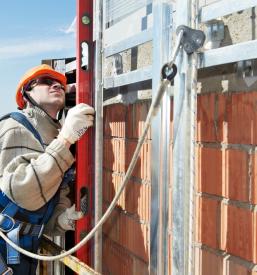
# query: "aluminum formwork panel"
[[138, 28], [225, 7], [129, 42], [232, 53], [130, 26], [128, 78], [229, 54], [162, 16], [117, 9]]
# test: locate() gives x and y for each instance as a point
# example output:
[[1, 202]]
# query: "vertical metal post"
[[183, 152], [160, 143], [193, 110], [58, 265], [98, 131]]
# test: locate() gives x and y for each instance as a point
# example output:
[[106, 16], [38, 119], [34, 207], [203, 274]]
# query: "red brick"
[[241, 117], [223, 226], [209, 171], [208, 220], [254, 180], [142, 169], [114, 154], [137, 200], [117, 181], [236, 171], [208, 263], [108, 157], [170, 209], [211, 117], [240, 232], [169, 254], [116, 260], [255, 237], [107, 186], [234, 268], [197, 223], [136, 118], [114, 120], [171, 119], [140, 267], [129, 233]]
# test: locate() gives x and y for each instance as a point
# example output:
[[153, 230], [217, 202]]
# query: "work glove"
[[78, 120], [67, 219]]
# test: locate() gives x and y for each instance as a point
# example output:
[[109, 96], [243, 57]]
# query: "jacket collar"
[[47, 127]]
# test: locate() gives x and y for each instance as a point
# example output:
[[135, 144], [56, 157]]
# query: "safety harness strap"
[[4, 269], [21, 118], [15, 228]]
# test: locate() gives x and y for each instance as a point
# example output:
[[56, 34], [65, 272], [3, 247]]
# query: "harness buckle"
[[9, 271], [41, 231], [2, 217]]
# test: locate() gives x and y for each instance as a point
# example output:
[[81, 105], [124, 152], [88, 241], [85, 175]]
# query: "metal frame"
[[132, 24], [116, 40], [184, 123], [223, 8], [184, 119], [228, 54], [123, 7], [130, 42], [183, 152], [232, 53], [98, 133], [128, 78], [160, 143]]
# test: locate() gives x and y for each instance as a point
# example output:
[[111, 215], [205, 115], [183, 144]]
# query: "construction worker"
[[34, 159]]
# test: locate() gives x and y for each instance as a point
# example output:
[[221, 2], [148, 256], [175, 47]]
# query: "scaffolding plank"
[[128, 78], [223, 8], [72, 262], [229, 54], [128, 43]]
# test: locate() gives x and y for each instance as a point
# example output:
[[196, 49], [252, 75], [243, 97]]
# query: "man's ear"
[[26, 102]]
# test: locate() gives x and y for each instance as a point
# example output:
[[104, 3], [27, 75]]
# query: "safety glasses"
[[45, 81]]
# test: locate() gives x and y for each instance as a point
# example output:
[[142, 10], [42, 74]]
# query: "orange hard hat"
[[41, 70]]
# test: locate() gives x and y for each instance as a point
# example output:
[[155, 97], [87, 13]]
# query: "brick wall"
[[226, 187], [226, 184], [126, 232]]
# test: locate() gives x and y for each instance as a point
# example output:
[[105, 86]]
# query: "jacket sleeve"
[[52, 228], [29, 174]]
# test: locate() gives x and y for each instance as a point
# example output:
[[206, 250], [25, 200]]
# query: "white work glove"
[[78, 120], [67, 219]]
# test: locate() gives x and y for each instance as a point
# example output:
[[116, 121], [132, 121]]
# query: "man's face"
[[48, 93]]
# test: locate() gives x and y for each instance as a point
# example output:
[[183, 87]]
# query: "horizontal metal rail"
[[120, 8], [69, 67], [224, 7], [128, 78], [137, 39], [229, 54], [126, 28], [70, 261]]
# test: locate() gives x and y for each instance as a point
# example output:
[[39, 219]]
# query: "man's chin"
[[58, 104]]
